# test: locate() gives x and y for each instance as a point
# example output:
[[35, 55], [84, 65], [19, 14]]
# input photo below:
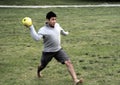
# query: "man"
[[52, 48]]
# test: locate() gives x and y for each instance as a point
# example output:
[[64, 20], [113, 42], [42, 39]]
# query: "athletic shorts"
[[60, 56]]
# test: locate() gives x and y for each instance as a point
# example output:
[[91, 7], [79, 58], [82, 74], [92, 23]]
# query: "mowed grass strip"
[[93, 46]]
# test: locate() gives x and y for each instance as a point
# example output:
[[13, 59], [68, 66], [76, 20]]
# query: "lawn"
[[56, 2], [93, 46]]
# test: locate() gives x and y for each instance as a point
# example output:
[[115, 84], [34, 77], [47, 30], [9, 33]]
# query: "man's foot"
[[39, 74], [78, 82]]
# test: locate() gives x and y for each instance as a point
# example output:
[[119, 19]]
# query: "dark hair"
[[50, 14]]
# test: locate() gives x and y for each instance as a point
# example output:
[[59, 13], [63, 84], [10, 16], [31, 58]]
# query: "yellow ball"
[[27, 21]]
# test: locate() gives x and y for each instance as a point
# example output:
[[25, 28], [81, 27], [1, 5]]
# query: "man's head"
[[51, 18], [50, 15]]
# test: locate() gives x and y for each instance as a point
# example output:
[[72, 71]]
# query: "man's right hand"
[[27, 21]]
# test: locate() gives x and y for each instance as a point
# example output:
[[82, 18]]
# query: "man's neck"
[[49, 25]]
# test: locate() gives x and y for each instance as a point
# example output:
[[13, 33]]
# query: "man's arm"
[[34, 34], [64, 32]]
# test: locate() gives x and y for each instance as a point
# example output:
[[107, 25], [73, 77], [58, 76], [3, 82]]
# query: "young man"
[[52, 48]]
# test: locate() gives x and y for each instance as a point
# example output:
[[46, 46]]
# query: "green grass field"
[[93, 46], [55, 2]]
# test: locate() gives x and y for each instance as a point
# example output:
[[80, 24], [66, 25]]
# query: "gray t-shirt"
[[51, 36]]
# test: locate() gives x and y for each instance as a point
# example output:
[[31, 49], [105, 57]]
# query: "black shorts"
[[60, 56]]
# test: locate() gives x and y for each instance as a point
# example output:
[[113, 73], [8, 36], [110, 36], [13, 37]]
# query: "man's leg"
[[40, 68], [72, 73], [45, 59], [64, 59]]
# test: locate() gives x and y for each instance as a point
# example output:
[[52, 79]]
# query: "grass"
[[55, 2], [93, 46]]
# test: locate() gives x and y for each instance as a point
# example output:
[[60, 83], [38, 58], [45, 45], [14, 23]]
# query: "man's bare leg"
[[72, 73]]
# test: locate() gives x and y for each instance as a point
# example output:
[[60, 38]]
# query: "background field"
[[55, 2], [93, 46]]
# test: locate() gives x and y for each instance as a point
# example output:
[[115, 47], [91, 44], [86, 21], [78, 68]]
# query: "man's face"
[[52, 21]]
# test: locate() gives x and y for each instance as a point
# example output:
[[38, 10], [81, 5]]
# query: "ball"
[[27, 21]]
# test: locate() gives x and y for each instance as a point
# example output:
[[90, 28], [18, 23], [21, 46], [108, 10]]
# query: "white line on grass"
[[59, 6]]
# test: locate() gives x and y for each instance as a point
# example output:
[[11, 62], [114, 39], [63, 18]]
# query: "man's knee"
[[68, 63]]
